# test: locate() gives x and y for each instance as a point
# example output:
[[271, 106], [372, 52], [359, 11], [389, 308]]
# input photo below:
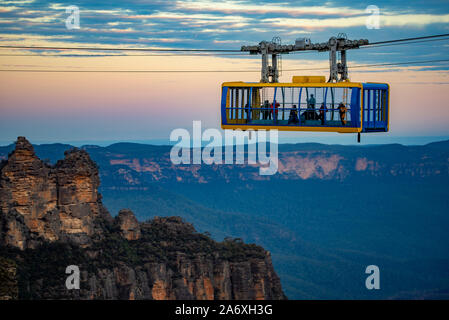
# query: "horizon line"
[[425, 140]]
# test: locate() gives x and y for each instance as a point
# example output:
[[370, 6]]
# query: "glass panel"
[[293, 106]]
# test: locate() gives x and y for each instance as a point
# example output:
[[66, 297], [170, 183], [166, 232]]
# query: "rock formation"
[[52, 217], [128, 224], [43, 202]]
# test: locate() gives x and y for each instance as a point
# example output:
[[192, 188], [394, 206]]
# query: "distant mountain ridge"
[[329, 212], [138, 164]]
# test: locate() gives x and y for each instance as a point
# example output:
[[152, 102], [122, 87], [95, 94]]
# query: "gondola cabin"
[[306, 104]]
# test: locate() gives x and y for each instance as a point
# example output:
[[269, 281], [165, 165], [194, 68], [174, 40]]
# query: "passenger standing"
[[266, 112], [342, 111], [322, 113], [293, 117], [276, 109], [310, 115]]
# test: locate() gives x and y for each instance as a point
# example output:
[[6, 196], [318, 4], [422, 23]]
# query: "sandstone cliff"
[[52, 217], [41, 202]]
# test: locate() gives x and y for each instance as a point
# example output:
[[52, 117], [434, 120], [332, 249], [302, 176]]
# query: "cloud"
[[195, 18], [8, 9], [23, 36], [400, 20], [18, 2], [226, 41], [45, 19], [218, 24], [256, 8]]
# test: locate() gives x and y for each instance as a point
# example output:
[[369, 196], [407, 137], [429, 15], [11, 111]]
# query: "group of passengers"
[[311, 114], [267, 112]]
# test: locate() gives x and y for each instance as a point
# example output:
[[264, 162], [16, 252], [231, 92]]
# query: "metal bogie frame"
[[338, 67]]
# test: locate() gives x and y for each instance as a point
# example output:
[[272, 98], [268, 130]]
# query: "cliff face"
[[52, 217], [192, 267], [41, 202], [124, 167]]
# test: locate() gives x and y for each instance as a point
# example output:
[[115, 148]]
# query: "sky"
[[107, 107]]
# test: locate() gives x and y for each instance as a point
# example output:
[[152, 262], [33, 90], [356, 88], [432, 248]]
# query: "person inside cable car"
[[276, 110], [311, 102], [322, 115], [266, 110], [293, 117], [342, 111], [310, 113]]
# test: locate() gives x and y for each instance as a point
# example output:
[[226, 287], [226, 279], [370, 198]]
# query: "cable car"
[[308, 103]]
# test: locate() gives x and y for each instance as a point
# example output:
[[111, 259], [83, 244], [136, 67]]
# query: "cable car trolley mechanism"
[[308, 103]]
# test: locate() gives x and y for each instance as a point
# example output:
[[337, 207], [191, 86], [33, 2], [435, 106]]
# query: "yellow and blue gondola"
[[306, 104]]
